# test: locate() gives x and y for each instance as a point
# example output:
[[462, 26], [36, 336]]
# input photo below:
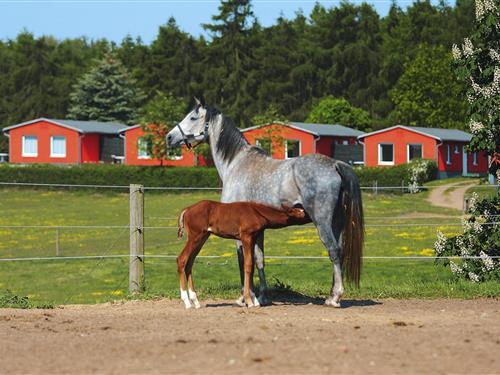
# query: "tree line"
[[395, 69]]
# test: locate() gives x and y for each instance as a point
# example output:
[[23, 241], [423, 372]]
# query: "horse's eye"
[[194, 118]]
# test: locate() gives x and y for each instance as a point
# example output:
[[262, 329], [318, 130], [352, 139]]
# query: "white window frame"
[[456, 149], [29, 154], [408, 150], [286, 148], [139, 149], [380, 162], [54, 155], [474, 158], [448, 154]]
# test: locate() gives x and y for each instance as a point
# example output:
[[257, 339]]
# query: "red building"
[[287, 140], [399, 144], [136, 152], [64, 141]]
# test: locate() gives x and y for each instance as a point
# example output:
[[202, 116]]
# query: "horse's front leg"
[[259, 261]]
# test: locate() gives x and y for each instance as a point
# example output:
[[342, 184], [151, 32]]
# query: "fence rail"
[[286, 257], [374, 187]]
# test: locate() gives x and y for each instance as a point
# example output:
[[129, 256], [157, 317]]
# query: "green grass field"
[[96, 280]]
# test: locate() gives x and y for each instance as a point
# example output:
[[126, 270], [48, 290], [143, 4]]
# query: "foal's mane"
[[230, 138]]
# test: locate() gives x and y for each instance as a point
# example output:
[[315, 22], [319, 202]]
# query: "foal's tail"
[[354, 231], [180, 231]]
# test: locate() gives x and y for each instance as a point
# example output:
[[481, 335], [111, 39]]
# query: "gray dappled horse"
[[328, 190]]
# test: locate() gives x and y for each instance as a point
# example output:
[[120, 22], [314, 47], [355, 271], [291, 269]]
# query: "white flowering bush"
[[477, 63], [420, 171], [472, 254]]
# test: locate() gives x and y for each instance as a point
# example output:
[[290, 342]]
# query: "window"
[[448, 154], [57, 147], [474, 158], [142, 149], [30, 145], [456, 149], [386, 153], [265, 144], [345, 142], [414, 151], [292, 148]]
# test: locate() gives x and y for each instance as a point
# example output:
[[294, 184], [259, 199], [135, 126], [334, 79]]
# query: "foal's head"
[[296, 215]]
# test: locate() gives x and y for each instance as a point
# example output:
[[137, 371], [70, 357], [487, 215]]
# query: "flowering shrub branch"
[[477, 63], [478, 245]]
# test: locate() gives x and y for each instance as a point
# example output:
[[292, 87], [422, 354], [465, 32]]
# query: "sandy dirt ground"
[[375, 336]]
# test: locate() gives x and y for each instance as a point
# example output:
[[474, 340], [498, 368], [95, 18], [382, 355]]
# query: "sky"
[[114, 19]]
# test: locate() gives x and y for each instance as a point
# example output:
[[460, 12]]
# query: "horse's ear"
[[200, 101]]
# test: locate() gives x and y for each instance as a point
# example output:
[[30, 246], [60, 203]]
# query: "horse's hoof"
[[240, 302], [197, 305], [264, 301], [332, 301]]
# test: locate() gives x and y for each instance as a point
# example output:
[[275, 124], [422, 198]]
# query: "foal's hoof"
[[332, 301], [240, 302]]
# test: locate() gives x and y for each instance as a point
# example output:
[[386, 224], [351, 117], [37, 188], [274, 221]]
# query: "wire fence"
[[102, 245]]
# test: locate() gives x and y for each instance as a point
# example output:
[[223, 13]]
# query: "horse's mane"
[[230, 138]]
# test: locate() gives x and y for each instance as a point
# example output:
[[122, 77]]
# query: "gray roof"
[[444, 134], [79, 126], [316, 129], [328, 129], [437, 133]]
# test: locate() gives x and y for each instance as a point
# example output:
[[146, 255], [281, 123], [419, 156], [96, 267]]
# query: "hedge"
[[112, 174]]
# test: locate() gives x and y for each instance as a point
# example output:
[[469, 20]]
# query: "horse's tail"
[[354, 231], [180, 231]]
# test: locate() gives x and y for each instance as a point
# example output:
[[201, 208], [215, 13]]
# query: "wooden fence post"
[[136, 262]]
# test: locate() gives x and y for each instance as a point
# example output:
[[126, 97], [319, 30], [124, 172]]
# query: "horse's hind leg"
[[323, 211], [189, 269]]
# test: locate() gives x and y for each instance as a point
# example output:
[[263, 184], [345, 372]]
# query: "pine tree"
[[106, 93], [229, 58]]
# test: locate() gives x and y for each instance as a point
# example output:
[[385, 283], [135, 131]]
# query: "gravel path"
[[449, 199]]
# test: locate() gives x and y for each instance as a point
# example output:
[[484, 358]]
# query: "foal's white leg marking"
[[194, 298], [240, 301], [185, 299], [338, 287]]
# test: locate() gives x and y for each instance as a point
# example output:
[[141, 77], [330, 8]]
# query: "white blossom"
[[473, 277], [483, 7], [457, 54], [467, 47], [487, 261], [474, 198], [490, 90], [494, 55], [440, 243], [455, 268], [475, 126]]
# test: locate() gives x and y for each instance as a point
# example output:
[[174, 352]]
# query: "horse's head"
[[193, 129]]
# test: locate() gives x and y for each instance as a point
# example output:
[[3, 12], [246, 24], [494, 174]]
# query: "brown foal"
[[242, 221]]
